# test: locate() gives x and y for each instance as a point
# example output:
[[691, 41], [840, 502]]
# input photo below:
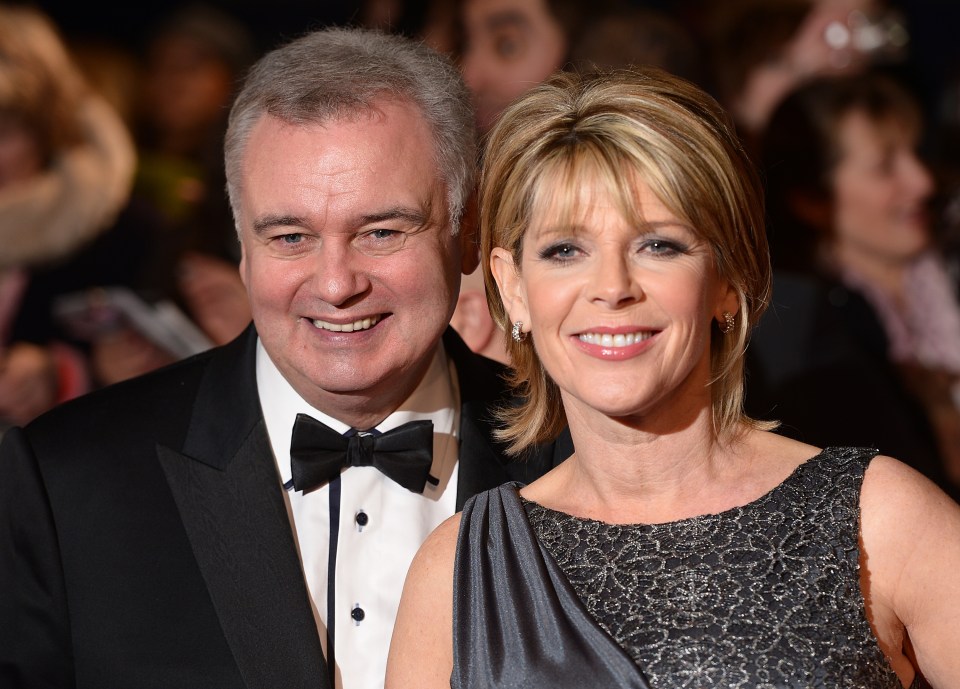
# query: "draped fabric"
[[511, 629], [762, 595]]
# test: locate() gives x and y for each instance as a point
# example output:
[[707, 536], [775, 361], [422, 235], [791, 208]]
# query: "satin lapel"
[[229, 496]]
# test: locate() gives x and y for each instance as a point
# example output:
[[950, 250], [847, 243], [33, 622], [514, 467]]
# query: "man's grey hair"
[[337, 72]]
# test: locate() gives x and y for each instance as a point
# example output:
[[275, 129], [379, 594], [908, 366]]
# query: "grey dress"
[[765, 595]]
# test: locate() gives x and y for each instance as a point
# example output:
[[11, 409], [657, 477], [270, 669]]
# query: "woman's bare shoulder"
[[421, 653], [440, 546], [910, 531], [892, 489]]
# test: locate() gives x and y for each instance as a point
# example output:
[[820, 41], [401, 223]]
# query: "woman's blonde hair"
[[617, 128]]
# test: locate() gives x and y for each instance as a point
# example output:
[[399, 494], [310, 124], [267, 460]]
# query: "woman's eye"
[[663, 247], [559, 252]]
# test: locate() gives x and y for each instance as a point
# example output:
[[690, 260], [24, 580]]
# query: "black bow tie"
[[318, 453]]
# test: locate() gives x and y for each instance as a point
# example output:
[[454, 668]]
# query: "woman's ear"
[[507, 276], [728, 302]]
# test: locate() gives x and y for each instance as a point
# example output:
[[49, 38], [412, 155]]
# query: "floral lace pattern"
[[766, 595]]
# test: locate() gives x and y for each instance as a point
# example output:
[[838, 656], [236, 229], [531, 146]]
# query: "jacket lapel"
[[482, 462], [229, 496]]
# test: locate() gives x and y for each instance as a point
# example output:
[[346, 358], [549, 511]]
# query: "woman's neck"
[[628, 472]]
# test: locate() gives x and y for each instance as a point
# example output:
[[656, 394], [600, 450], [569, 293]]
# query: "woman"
[[848, 199], [683, 544]]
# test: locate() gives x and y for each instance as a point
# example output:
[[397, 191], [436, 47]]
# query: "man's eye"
[[380, 241], [294, 238]]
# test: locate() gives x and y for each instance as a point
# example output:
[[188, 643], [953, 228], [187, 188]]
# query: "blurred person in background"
[[193, 60], [762, 50], [510, 46], [67, 221], [628, 35], [865, 323]]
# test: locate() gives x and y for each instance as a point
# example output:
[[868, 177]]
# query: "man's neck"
[[368, 408]]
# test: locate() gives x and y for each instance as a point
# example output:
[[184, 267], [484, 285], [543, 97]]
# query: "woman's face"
[[880, 191], [620, 313]]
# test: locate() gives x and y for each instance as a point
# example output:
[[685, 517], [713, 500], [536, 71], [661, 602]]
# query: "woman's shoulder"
[[910, 534], [898, 498], [440, 546]]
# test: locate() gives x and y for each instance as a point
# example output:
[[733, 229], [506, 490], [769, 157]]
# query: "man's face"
[[511, 46], [348, 256]]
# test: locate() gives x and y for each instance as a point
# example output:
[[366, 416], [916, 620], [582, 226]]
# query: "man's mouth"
[[361, 324]]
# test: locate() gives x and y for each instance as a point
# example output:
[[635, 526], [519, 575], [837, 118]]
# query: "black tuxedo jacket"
[[144, 540]]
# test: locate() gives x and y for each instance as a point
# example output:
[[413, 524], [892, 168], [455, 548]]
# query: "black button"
[[357, 613], [362, 518]]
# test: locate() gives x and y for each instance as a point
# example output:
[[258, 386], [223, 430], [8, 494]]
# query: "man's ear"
[[507, 277], [469, 256]]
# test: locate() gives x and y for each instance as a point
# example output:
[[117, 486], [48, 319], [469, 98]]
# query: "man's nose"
[[339, 273]]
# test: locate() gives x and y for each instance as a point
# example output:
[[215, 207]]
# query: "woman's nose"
[[614, 282]]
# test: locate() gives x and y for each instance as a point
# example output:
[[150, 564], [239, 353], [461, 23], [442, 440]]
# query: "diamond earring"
[[728, 323], [516, 333]]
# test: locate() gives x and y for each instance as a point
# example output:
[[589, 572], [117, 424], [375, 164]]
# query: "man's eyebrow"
[[267, 222], [415, 216]]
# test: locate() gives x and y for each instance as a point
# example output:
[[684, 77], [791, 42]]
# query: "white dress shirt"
[[381, 525]]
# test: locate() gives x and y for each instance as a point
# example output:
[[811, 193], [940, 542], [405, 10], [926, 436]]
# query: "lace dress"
[[760, 596]]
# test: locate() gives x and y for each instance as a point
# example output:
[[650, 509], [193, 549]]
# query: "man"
[[171, 531]]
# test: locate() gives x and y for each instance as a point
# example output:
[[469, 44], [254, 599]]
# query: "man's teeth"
[[618, 340], [362, 324]]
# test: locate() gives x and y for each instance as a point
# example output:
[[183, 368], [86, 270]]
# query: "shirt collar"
[[436, 398]]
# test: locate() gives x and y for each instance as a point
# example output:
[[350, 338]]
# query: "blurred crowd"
[[119, 254]]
